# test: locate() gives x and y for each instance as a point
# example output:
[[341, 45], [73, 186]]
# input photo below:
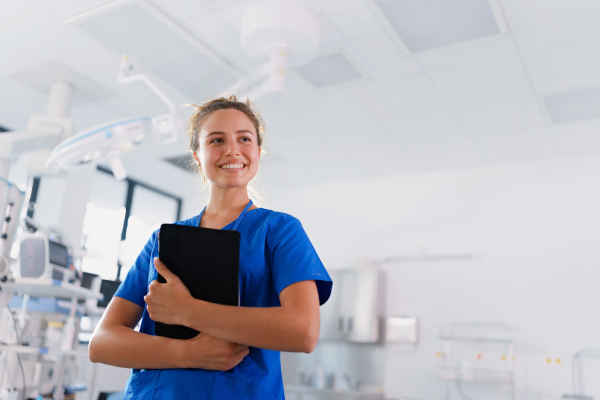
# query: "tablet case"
[[207, 262]]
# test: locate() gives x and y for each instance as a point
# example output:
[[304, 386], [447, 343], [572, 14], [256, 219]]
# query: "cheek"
[[206, 156]]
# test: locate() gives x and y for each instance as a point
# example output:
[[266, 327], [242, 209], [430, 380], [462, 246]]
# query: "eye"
[[245, 139], [217, 140]]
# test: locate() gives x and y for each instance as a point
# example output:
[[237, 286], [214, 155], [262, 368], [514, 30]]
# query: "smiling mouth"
[[233, 166]]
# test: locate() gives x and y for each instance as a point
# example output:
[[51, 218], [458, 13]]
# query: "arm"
[[292, 327], [115, 342]]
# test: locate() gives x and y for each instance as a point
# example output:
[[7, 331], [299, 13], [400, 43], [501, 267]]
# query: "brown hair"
[[222, 103]]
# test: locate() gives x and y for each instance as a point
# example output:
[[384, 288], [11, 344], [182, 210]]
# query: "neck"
[[224, 200]]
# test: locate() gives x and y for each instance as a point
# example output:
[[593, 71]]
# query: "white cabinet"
[[354, 309]]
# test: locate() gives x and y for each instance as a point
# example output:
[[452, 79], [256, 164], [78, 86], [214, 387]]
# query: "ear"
[[195, 154], [259, 149]]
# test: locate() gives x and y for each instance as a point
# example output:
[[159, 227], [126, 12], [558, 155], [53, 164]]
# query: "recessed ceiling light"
[[162, 46], [427, 24], [329, 70], [573, 106]]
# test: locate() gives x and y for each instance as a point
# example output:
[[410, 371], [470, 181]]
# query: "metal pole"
[[59, 100]]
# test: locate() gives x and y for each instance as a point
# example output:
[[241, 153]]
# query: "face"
[[228, 153]]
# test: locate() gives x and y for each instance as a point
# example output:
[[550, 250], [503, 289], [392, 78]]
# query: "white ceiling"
[[469, 104]]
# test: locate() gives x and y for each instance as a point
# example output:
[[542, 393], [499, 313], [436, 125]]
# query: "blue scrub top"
[[274, 253]]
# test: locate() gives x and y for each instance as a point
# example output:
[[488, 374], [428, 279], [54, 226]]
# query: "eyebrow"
[[222, 133]]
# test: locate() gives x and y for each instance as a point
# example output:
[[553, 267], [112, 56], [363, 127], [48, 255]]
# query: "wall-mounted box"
[[354, 310], [400, 330]]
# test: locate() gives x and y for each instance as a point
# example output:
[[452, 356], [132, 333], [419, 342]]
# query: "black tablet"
[[207, 262]]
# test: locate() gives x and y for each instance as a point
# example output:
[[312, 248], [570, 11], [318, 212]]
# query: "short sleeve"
[[294, 259], [135, 285]]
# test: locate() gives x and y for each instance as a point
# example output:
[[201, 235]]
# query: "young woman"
[[283, 283]]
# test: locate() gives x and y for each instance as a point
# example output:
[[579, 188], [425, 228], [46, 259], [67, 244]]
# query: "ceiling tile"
[[19, 17], [427, 24], [330, 70], [182, 10], [298, 155], [17, 103], [450, 154], [483, 82], [517, 145], [42, 77], [577, 137], [136, 100], [422, 129], [371, 147], [353, 17], [493, 118], [384, 57], [220, 37], [566, 67], [55, 43], [330, 34], [323, 111], [465, 53], [161, 50], [538, 24], [409, 95], [67, 8], [13, 59], [101, 63], [574, 105], [232, 14], [310, 171]]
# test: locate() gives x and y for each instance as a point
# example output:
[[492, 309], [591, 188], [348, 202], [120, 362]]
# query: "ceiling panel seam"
[[398, 141], [164, 18], [452, 110], [538, 98], [444, 99]]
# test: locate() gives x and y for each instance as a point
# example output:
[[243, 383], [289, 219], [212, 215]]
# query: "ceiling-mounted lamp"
[[285, 33], [108, 140]]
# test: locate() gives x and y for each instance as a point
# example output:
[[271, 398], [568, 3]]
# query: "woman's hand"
[[207, 352], [166, 302]]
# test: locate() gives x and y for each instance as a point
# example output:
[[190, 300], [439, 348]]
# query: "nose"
[[233, 148]]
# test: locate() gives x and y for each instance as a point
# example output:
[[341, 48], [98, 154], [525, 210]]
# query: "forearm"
[[273, 328], [121, 346]]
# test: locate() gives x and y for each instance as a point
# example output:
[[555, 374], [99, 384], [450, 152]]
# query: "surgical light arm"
[[267, 79], [165, 126]]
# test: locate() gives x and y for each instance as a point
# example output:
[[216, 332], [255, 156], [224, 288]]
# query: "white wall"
[[537, 227]]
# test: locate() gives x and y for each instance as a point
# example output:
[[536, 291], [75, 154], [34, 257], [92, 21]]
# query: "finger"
[[243, 353], [152, 285], [163, 270], [240, 348]]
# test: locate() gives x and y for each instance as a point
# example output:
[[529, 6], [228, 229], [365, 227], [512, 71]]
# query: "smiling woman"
[[199, 117], [282, 284]]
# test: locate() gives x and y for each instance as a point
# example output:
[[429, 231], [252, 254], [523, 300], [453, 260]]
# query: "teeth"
[[232, 166]]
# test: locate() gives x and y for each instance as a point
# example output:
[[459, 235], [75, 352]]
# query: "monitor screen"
[[58, 254], [108, 289]]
